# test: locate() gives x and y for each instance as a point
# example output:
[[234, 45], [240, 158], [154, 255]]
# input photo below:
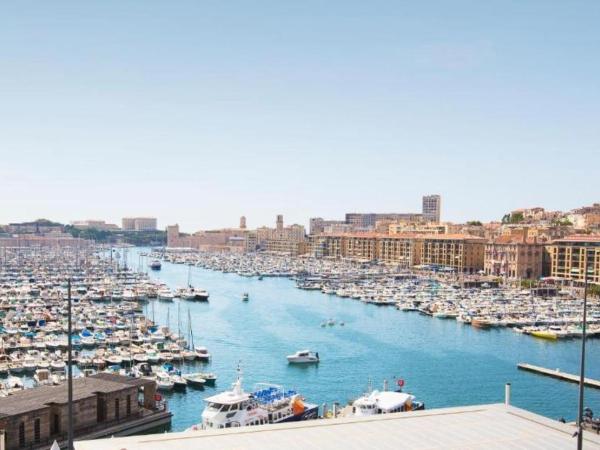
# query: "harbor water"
[[443, 362]]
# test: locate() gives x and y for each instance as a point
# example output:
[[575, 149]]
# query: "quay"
[[588, 382]]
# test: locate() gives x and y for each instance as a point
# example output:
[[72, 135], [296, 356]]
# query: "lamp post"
[[69, 368], [582, 369]]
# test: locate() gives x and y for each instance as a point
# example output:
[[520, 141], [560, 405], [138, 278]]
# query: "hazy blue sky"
[[199, 111]]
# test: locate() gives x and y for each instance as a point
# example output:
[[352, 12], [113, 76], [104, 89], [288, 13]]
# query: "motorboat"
[[303, 357], [165, 295], [197, 295], [194, 380], [58, 365], [209, 377], [384, 402], [155, 265], [164, 382], [245, 297], [202, 353]]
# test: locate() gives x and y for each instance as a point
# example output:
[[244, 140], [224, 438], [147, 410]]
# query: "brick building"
[[36, 417]]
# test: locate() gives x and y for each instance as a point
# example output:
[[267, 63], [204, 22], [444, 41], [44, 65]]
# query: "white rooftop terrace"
[[474, 427]]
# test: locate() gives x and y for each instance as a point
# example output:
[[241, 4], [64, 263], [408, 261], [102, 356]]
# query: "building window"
[[128, 405], [22, 434], [117, 408], [36, 431]]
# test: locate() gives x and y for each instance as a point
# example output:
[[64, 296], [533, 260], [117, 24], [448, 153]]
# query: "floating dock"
[[588, 382]]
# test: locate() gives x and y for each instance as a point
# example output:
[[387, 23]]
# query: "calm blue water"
[[443, 362]]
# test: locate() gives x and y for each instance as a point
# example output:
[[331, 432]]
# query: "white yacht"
[[164, 382], [386, 402], [202, 353], [267, 404], [303, 357]]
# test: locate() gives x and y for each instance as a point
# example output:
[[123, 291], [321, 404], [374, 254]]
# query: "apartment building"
[[397, 249], [568, 258], [432, 207], [462, 253], [514, 256], [361, 246]]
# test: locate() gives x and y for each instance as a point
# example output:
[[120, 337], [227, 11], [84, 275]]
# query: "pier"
[[588, 382]]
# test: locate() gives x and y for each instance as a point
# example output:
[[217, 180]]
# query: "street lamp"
[[70, 367], [582, 369]]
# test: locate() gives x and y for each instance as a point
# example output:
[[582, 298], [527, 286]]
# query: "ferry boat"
[[155, 265], [268, 404]]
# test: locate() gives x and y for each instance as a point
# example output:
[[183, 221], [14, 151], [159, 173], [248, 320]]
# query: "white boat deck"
[[473, 427]]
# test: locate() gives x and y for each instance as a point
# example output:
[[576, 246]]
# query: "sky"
[[198, 112]]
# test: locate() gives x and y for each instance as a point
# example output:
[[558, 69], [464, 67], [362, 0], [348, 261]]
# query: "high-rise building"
[[279, 223], [432, 205], [243, 222]]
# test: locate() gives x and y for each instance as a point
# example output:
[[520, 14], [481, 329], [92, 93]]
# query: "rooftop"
[[473, 427], [590, 238], [42, 397]]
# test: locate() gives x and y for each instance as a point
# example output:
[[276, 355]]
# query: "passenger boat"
[[267, 404], [303, 357]]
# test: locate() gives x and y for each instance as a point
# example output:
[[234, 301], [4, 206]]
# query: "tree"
[[516, 217], [564, 222], [474, 223]]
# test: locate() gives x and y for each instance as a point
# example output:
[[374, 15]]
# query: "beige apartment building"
[[462, 253], [326, 246], [360, 246], [397, 249], [459, 252], [568, 258]]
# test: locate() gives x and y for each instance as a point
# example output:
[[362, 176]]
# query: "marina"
[[440, 295], [137, 322], [444, 362]]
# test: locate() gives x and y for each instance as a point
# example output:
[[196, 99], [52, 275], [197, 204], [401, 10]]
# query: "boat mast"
[[191, 333], [169, 318]]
